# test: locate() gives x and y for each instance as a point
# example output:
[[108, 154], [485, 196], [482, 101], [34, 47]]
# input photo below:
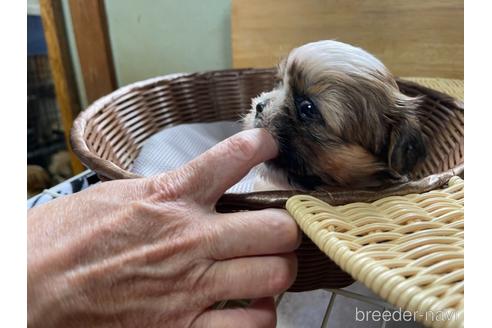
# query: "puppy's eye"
[[306, 109]]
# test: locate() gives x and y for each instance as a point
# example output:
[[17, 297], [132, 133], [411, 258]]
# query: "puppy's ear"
[[407, 146]]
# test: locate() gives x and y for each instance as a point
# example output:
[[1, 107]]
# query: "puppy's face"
[[339, 119]]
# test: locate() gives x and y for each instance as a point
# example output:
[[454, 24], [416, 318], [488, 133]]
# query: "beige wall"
[[155, 37]]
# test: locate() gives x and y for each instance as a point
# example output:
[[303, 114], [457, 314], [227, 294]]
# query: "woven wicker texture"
[[107, 137], [452, 87], [408, 249]]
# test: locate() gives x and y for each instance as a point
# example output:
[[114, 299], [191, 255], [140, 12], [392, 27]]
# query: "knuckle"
[[137, 210], [144, 210], [140, 215], [152, 218], [139, 207]]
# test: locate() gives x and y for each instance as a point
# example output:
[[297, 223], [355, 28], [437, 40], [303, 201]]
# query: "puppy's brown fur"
[[364, 131]]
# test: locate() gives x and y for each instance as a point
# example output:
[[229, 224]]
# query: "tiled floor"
[[299, 310]]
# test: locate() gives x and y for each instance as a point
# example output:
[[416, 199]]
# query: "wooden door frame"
[[61, 70], [90, 29]]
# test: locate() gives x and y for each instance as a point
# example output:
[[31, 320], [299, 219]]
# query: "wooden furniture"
[[93, 49], [413, 38], [61, 69]]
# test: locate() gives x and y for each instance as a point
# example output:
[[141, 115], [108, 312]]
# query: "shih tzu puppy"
[[339, 120]]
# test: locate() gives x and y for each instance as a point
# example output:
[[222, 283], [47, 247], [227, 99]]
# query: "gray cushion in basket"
[[173, 147]]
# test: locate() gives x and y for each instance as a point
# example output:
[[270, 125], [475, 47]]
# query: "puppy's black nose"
[[260, 106]]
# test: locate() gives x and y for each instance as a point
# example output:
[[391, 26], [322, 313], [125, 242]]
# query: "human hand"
[[153, 252]]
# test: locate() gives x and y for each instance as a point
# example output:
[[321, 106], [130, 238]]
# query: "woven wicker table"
[[407, 249]]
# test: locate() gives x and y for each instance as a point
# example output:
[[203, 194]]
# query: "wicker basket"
[[108, 135], [408, 249]]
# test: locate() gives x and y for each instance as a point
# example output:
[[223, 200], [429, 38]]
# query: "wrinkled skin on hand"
[[153, 252]]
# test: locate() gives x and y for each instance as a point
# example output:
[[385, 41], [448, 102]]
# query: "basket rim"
[[105, 167], [108, 170]]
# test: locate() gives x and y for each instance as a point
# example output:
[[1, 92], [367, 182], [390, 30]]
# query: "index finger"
[[226, 163]]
